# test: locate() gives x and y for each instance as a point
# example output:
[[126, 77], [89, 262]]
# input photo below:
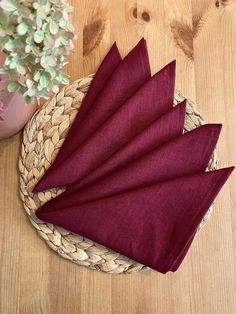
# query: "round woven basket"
[[42, 139]]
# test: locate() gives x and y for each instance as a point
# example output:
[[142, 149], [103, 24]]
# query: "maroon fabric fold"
[[167, 162], [103, 74], [165, 128], [184, 155], [127, 77], [139, 111], [152, 225]]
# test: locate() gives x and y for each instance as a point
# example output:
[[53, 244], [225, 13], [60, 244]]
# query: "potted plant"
[[35, 39]]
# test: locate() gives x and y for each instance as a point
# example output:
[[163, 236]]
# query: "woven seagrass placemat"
[[42, 139]]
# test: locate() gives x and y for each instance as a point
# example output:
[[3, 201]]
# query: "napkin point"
[[213, 127], [114, 47], [224, 172], [36, 189], [173, 62], [169, 71], [182, 105], [142, 44], [39, 187]]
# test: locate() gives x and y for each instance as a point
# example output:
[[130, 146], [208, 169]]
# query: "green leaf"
[[22, 10], [48, 41], [43, 62], [9, 45], [64, 79], [22, 28], [44, 79], [37, 76], [8, 60], [70, 27], [27, 49], [52, 72], [20, 69], [62, 23], [45, 27], [8, 5], [39, 88], [13, 86], [39, 22], [57, 15], [12, 65], [29, 41], [55, 89], [42, 13], [38, 36], [42, 93], [35, 51], [59, 41], [36, 5], [53, 27], [51, 61]]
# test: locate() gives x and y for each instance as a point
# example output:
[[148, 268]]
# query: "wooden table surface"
[[201, 35]]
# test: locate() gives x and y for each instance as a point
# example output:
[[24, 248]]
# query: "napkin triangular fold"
[[101, 77], [187, 154], [139, 111], [128, 76], [151, 225], [163, 129], [103, 74]]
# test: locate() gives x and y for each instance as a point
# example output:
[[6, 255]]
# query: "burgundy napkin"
[[153, 225], [187, 154], [103, 74], [139, 111], [168, 126], [128, 76]]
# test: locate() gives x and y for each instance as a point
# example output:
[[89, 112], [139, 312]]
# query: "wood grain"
[[200, 34]]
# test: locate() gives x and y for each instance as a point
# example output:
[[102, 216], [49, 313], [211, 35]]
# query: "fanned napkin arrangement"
[[135, 183]]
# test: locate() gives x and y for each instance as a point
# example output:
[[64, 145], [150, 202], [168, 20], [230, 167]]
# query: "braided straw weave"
[[42, 139]]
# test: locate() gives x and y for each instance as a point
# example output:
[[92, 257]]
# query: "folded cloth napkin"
[[103, 74], [139, 111], [153, 225], [187, 154], [125, 80], [167, 127], [163, 129]]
